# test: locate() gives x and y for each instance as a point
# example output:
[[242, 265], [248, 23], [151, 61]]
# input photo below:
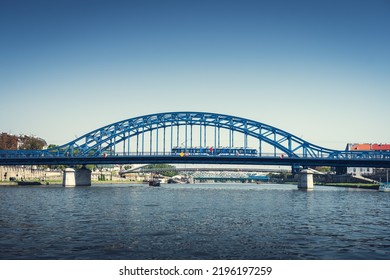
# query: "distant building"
[[360, 171], [365, 147], [368, 147]]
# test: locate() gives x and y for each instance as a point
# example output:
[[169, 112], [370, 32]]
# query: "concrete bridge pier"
[[69, 178], [75, 178], [305, 180], [83, 177]]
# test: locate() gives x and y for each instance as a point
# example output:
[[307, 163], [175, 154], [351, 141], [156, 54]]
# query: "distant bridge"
[[213, 173], [202, 169], [152, 139]]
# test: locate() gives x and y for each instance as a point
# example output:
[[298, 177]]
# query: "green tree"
[[169, 172], [323, 169], [31, 143], [8, 142]]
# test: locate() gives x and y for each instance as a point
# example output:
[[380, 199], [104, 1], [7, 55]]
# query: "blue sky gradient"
[[318, 69]]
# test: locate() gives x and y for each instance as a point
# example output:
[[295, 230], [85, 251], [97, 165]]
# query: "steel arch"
[[101, 140]]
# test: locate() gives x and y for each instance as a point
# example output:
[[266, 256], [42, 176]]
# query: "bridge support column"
[[83, 177], [69, 178], [305, 180], [78, 178]]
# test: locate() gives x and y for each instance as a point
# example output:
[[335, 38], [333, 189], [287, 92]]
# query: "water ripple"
[[229, 221]]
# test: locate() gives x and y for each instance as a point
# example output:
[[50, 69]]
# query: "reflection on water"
[[203, 221]]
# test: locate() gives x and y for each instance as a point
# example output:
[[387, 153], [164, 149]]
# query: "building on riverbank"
[[365, 171], [26, 173]]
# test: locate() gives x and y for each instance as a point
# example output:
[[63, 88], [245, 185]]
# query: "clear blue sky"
[[318, 69]]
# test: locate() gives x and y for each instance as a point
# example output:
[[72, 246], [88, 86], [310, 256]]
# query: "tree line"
[[21, 142], [24, 142]]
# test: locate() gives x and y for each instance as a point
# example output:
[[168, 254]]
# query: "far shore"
[[112, 182], [59, 182]]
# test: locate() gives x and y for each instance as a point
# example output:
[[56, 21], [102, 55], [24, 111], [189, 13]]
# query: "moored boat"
[[384, 187], [154, 183], [29, 183]]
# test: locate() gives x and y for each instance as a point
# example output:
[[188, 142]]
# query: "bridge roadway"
[[195, 159]]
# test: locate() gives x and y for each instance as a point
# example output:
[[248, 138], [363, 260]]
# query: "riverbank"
[[59, 182], [108, 182], [353, 185], [344, 185]]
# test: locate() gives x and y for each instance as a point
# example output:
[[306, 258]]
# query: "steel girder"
[[102, 140]]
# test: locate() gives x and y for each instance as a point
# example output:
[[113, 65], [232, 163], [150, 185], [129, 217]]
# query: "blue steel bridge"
[[193, 138]]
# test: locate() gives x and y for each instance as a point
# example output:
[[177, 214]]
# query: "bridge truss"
[[156, 135]]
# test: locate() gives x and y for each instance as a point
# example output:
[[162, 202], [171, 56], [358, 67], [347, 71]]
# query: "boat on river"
[[154, 183], [385, 187], [29, 183]]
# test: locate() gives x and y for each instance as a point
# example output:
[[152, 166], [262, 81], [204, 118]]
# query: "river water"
[[201, 221]]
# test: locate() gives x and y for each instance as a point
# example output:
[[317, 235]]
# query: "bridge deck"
[[240, 160]]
